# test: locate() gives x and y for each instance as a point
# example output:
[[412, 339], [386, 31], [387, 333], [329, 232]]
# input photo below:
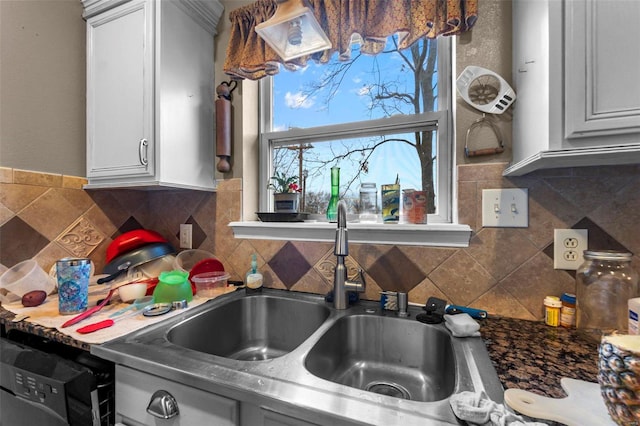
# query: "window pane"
[[379, 159], [363, 88]]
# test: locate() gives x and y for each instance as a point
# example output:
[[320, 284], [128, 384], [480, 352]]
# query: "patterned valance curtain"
[[248, 56]]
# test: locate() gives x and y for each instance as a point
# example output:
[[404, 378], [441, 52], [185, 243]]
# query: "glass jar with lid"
[[368, 203], [604, 284]]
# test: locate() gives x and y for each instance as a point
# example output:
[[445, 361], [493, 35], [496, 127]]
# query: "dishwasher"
[[47, 383]]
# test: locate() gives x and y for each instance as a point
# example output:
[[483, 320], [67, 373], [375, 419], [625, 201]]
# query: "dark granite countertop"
[[526, 354], [533, 356]]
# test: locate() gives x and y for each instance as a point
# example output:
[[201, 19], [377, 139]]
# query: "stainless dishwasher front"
[[40, 388]]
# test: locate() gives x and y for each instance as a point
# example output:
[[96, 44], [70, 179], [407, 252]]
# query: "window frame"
[[442, 228], [440, 119]]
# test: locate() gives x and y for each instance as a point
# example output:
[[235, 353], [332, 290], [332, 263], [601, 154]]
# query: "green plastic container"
[[173, 286]]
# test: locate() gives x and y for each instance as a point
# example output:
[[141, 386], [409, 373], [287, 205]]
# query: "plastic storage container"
[[211, 283], [187, 259], [604, 284], [173, 286], [25, 277]]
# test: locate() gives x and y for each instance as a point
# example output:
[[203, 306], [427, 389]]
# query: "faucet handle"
[[359, 286], [362, 279]]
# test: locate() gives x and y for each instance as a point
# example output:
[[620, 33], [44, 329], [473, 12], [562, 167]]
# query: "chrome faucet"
[[340, 283]]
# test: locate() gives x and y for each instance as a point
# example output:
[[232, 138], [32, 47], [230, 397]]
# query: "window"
[[378, 118]]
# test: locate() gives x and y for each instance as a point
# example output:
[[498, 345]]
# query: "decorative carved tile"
[[81, 238], [327, 265], [312, 282]]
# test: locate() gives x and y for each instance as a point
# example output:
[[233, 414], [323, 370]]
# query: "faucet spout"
[[341, 285]]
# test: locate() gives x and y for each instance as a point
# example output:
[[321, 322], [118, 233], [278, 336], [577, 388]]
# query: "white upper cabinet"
[[575, 67], [150, 93]]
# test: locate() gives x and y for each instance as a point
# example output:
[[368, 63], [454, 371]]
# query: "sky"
[[292, 108]]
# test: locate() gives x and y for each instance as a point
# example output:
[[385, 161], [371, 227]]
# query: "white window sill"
[[437, 234]]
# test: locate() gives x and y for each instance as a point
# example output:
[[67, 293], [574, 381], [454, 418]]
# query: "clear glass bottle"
[[332, 208], [604, 284]]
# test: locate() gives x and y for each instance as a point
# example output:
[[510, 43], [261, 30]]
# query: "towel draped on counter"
[[477, 409]]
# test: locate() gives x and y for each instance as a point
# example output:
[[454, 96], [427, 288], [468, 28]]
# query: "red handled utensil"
[[96, 308], [106, 323]]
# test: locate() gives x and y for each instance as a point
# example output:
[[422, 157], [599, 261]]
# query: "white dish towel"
[[477, 408]]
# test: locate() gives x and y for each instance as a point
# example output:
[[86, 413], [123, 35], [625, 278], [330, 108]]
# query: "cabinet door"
[[120, 81], [601, 69]]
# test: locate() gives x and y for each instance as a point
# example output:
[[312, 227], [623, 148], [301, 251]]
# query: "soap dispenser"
[[253, 279]]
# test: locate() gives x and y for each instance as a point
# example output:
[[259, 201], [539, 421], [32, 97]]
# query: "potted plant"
[[287, 193]]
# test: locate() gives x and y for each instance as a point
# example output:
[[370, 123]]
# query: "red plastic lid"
[[206, 265]]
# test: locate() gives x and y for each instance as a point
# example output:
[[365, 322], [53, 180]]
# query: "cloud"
[[297, 100], [364, 90]]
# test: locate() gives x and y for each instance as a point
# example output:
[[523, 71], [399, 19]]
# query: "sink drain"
[[388, 389]]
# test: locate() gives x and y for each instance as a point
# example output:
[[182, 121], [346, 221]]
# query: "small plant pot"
[[286, 202]]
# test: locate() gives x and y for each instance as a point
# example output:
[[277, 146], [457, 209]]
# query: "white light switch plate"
[[505, 208]]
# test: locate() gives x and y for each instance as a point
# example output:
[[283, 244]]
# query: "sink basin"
[[252, 328], [386, 355]]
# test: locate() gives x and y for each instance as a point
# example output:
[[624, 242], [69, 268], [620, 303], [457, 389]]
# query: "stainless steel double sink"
[[297, 349]]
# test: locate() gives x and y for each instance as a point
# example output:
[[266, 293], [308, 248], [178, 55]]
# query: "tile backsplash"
[[507, 271]]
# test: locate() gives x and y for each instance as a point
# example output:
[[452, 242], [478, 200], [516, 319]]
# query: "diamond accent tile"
[[81, 238], [394, 271], [289, 265], [19, 241], [197, 234], [599, 239], [130, 224]]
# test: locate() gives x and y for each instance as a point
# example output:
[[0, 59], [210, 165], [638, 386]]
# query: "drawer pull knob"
[[163, 405]]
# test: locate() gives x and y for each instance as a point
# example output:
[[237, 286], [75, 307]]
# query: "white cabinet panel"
[[120, 92], [150, 93], [602, 90], [575, 70]]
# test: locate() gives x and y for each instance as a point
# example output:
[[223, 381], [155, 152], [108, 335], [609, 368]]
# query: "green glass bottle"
[[332, 209]]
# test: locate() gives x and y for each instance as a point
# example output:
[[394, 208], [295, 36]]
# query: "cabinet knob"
[[142, 152], [163, 405]]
